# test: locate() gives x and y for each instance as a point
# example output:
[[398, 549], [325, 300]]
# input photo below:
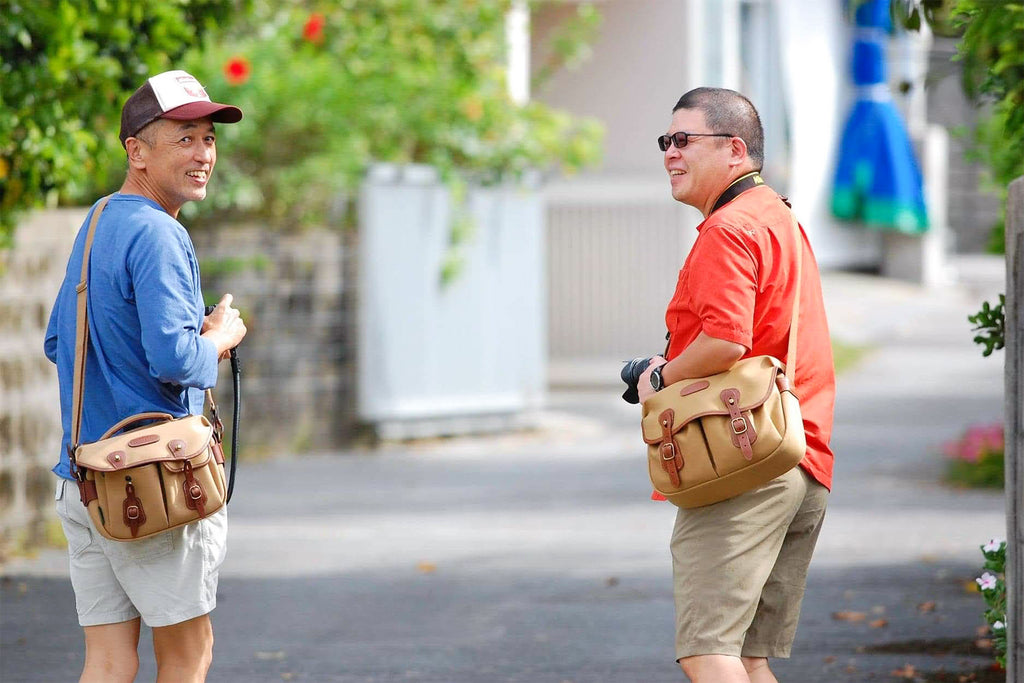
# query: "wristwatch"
[[657, 383]]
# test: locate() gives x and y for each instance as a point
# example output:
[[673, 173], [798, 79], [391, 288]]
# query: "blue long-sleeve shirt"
[[145, 317]]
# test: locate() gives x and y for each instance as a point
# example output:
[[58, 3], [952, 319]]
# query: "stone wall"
[[298, 390], [30, 275]]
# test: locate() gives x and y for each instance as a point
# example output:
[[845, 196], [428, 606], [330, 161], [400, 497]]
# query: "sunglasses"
[[682, 139]]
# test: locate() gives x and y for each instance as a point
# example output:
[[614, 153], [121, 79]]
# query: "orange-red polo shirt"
[[738, 284]]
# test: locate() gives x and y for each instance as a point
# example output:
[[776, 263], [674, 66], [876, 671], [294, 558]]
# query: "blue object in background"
[[878, 179]]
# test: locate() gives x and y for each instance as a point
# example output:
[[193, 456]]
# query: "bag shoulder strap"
[[794, 321], [82, 334], [82, 329]]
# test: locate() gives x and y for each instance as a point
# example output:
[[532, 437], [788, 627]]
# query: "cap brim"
[[220, 113]]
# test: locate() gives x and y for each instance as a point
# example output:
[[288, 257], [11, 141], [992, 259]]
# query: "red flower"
[[237, 70], [313, 31]]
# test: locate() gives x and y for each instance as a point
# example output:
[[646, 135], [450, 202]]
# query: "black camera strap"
[[82, 349], [236, 375], [236, 395], [738, 187]]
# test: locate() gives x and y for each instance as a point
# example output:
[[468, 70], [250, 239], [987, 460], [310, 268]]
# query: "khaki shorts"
[[740, 566], [166, 579]]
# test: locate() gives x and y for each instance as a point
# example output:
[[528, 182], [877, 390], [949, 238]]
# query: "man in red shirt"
[[740, 566]]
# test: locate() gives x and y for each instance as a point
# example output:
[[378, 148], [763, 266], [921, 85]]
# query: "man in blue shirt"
[[151, 348]]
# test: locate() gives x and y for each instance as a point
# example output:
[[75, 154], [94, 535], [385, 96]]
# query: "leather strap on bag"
[[743, 435], [81, 347], [87, 489], [794, 320]]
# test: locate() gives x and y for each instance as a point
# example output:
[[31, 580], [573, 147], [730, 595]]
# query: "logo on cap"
[[191, 86]]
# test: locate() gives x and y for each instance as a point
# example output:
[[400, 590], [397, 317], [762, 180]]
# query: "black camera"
[[630, 374]]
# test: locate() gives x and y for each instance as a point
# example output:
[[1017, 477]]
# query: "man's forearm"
[[704, 356]]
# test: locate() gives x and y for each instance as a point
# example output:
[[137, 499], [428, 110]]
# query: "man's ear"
[[737, 151], [136, 153]]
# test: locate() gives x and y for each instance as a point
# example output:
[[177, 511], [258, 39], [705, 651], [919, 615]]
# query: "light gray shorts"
[[740, 567], [166, 579]]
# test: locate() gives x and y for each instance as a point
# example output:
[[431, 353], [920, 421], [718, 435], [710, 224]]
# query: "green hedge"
[[992, 50], [326, 86], [329, 87], [66, 67]]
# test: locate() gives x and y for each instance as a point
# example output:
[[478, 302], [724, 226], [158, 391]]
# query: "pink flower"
[[313, 31], [986, 581], [994, 436], [992, 546], [237, 70], [977, 442]]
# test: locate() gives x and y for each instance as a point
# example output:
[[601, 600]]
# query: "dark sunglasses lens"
[[665, 141]]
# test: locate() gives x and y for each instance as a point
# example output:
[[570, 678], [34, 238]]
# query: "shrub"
[[976, 458], [66, 67], [990, 324], [326, 92], [992, 584], [992, 51]]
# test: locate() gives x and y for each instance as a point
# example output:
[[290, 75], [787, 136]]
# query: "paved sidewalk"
[[537, 557]]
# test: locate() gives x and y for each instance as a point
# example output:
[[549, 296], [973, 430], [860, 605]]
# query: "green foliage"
[[329, 87], [992, 52], [991, 49], [938, 13], [66, 66], [213, 268], [992, 585], [986, 473], [571, 45], [846, 355], [976, 459], [990, 323]]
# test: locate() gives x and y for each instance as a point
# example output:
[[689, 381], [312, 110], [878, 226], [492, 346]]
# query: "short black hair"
[[727, 111]]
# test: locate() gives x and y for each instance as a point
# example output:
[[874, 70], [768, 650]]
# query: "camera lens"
[[630, 374]]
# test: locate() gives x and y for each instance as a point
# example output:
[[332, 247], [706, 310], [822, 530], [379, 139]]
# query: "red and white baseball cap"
[[172, 95]]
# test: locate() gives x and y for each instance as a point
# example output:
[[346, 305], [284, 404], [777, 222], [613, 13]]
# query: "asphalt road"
[[536, 556]]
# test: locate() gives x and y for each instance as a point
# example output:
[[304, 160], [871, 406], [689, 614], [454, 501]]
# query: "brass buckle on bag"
[[668, 451], [743, 422]]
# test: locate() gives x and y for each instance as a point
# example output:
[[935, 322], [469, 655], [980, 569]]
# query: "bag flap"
[[690, 399], [175, 440]]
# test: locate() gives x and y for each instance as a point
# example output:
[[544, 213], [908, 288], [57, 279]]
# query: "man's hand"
[[643, 385], [224, 327]]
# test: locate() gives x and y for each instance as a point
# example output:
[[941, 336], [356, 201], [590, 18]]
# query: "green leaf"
[[913, 22]]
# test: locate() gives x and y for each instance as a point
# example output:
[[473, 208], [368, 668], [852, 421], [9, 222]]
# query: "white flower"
[[987, 581], [994, 545], [998, 626]]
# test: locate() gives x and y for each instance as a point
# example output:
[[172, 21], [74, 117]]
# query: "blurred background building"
[[571, 280], [616, 238]]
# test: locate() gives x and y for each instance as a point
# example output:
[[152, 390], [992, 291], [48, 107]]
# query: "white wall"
[[637, 72], [816, 52]]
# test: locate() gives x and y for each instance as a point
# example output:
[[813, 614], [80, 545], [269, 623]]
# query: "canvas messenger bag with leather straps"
[[159, 473], [713, 438]]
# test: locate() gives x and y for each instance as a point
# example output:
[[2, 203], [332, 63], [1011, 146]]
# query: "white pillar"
[[921, 258], [696, 67], [912, 66], [729, 15], [517, 40]]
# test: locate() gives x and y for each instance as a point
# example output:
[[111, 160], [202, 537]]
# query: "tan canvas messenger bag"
[[712, 438], [150, 472]]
